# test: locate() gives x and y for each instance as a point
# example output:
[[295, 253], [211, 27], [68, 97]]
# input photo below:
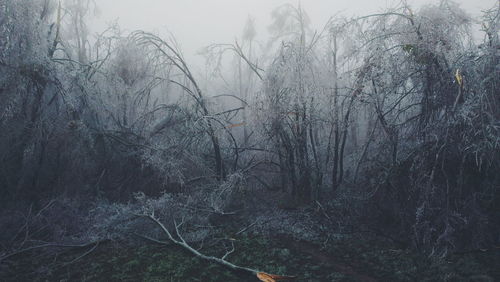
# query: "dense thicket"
[[389, 121]]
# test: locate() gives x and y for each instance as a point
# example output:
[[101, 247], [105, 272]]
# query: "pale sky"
[[198, 23]]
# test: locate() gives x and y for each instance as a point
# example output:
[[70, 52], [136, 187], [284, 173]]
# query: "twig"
[[182, 243], [229, 252], [49, 245], [323, 210], [84, 254], [246, 228], [221, 261]]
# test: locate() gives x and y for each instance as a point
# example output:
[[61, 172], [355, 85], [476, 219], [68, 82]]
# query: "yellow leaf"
[[266, 277], [459, 78]]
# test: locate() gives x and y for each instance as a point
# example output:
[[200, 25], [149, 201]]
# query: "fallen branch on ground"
[[50, 245], [221, 261]]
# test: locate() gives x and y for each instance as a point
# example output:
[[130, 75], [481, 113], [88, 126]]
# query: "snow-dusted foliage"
[[391, 118]]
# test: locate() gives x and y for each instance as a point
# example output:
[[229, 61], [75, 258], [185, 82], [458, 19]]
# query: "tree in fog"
[[386, 123]]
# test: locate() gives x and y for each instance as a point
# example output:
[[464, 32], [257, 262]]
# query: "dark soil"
[[349, 259]]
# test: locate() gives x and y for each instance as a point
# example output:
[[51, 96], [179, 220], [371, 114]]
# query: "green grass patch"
[[342, 260]]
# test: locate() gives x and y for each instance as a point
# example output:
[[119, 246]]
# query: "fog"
[[253, 140], [198, 23]]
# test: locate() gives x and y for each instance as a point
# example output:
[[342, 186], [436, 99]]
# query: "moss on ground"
[[342, 260]]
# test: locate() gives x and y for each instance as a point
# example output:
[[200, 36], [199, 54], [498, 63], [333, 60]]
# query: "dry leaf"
[[266, 277], [459, 78]]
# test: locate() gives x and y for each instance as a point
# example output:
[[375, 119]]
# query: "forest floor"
[[346, 259]]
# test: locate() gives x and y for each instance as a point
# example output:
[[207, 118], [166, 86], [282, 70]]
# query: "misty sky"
[[198, 23]]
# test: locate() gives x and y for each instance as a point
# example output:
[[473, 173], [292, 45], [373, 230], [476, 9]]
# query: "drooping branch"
[[252, 66], [173, 55], [220, 49]]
